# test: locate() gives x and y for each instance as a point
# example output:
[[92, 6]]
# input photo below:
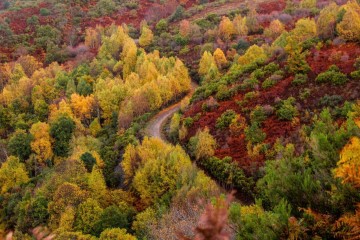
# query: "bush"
[[254, 134], [330, 101], [299, 79], [223, 93], [287, 111], [332, 75], [228, 172], [258, 114], [44, 12], [225, 119], [268, 83]]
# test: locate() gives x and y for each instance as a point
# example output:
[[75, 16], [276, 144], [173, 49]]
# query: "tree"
[[296, 57], [348, 167], [116, 234], [253, 54], [95, 127], [82, 106], [305, 29], [203, 144], [349, 27], [146, 36], [97, 184], [114, 217], [326, 22], [185, 28], [19, 144], [226, 28], [310, 4], [41, 143], [88, 160], [61, 131], [12, 174], [88, 213], [29, 64], [155, 169], [207, 64], [252, 22], [220, 58], [240, 25], [275, 29]]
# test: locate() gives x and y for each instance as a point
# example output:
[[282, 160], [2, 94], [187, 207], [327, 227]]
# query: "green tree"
[[19, 144], [88, 214], [61, 130]]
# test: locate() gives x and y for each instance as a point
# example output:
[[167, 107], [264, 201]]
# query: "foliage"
[[253, 54], [332, 75], [19, 145], [349, 27], [254, 134], [146, 37], [225, 119], [202, 145], [12, 174], [287, 110], [61, 131]]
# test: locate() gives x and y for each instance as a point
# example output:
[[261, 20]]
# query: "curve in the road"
[[155, 125]]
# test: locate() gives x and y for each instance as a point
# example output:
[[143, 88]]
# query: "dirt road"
[[155, 125]]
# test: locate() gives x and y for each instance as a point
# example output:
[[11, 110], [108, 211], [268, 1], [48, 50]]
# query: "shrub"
[[44, 12], [355, 74], [254, 134], [332, 75], [299, 79], [223, 93], [268, 83], [188, 122], [225, 119], [228, 172], [330, 101], [258, 114], [202, 145], [287, 110]]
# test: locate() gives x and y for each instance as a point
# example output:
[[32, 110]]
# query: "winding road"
[[155, 125]]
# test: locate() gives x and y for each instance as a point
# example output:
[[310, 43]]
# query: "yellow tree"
[[205, 144], [29, 64], [326, 22], [220, 58], [253, 54], [348, 168], [240, 25], [129, 55], [82, 106], [12, 174], [207, 62], [116, 234], [41, 144], [349, 27], [275, 29], [226, 28], [308, 4], [146, 36]]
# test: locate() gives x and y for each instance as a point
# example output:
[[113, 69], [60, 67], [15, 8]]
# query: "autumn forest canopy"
[[179, 119]]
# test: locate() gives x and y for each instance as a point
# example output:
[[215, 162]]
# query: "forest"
[[257, 105]]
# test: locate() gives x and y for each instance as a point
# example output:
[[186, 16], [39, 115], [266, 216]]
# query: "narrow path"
[[155, 125]]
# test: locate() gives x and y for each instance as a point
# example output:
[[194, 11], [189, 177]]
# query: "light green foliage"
[[12, 174], [254, 222], [88, 213], [225, 119], [116, 234], [287, 110], [202, 145], [155, 169], [252, 55], [332, 75]]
